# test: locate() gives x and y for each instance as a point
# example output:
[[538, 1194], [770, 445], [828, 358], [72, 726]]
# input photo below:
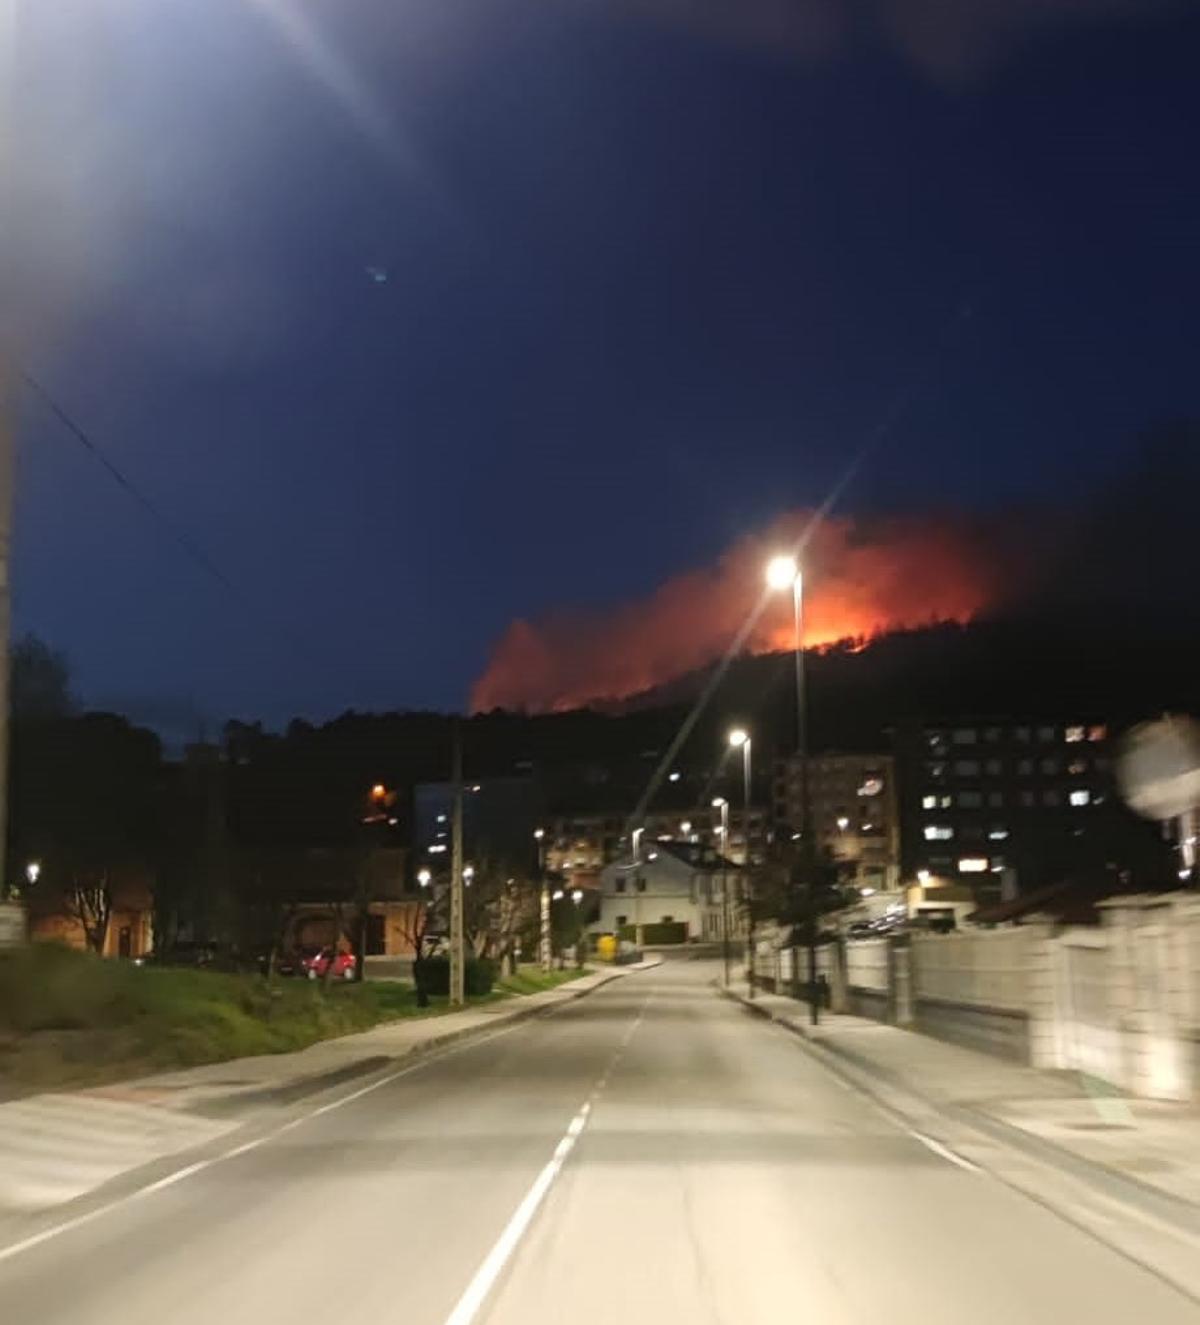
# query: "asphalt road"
[[650, 1153]]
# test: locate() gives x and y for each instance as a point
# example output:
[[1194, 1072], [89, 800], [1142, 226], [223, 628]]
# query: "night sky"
[[419, 316]]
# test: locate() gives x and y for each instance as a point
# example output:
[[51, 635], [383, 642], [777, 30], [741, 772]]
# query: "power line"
[[178, 536]]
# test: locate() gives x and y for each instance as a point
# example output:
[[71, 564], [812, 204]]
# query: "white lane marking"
[[945, 1152], [484, 1280], [56, 1230], [485, 1277]]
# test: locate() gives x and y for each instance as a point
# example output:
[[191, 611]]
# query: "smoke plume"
[[862, 578]]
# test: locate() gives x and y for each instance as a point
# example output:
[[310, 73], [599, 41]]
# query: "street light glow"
[[539, 833], [577, 896], [557, 895], [686, 827], [718, 801], [738, 737], [782, 572], [423, 878], [33, 871]]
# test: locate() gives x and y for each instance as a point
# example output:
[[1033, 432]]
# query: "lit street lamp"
[[739, 739], [539, 836], [720, 803], [424, 878], [33, 871], [783, 573]]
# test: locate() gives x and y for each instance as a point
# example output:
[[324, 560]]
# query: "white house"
[[680, 883]]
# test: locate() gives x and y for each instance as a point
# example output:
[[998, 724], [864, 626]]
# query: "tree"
[[39, 681], [89, 901]]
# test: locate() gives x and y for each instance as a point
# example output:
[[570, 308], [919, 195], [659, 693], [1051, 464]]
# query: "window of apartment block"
[[965, 736], [1077, 766], [1026, 799], [1045, 734], [967, 768], [936, 768], [1073, 734], [1025, 767], [1023, 734], [991, 734], [970, 800], [622, 921], [1049, 767], [929, 802], [641, 885], [619, 886], [938, 832], [1051, 798], [1080, 796], [995, 799], [1098, 733], [993, 767]]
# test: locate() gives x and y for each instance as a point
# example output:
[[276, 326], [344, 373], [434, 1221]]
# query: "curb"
[[867, 1076]]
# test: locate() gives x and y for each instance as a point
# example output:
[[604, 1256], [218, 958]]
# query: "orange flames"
[[861, 579]]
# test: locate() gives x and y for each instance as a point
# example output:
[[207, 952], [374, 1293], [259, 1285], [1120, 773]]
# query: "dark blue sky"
[[648, 285]]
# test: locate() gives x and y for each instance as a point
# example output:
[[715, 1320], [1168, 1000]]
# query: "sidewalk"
[[1143, 1152], [56, 1147]]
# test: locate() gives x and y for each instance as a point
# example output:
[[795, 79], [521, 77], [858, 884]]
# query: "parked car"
[[314, 965]]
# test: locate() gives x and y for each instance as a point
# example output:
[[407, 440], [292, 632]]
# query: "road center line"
[[945, 1152], [484, 1280]]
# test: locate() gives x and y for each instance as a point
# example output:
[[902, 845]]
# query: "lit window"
[[1098, 733], [936, 769], [1073, 734], [1080, 796], [871, 787], [938, 832], [945, 802], [1077, 766], [997, 834], [973, 865], [929, 802]]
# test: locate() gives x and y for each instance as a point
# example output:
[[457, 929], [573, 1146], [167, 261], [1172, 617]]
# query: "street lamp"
[[33, 871], [720, 803], [539, 836], [424, 878], [784, 573], [739, 739]]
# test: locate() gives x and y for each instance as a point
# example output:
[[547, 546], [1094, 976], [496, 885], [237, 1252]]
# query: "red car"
[[315, 964]]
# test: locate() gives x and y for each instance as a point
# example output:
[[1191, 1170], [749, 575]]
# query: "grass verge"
[[68, 1019]]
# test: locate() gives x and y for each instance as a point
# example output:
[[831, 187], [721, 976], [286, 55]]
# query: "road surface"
[[650, 1153]]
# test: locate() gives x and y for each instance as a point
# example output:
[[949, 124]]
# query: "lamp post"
[[739, 739], [539, 836], [720, 803], [783, 573]]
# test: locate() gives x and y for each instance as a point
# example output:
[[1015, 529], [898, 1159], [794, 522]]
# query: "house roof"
[[1072, 901], [696, 855]]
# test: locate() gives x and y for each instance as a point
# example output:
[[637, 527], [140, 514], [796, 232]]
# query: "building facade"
[[683, 885], [1004, 806], [854, 809], [583, 844]]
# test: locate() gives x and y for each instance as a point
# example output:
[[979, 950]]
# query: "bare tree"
[[89, 901]]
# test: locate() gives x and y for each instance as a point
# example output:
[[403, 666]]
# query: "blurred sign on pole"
[[12, 925], [1158, 769]]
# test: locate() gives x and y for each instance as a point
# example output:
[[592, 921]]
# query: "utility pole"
[[8, 387], [457, 955]]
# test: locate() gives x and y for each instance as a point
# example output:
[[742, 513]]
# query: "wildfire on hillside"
[[861, 579]]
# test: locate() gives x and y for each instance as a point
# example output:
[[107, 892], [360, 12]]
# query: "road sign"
[[1158, 768]]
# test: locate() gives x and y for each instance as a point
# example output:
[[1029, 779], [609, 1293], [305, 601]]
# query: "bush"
[[433, 975]]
